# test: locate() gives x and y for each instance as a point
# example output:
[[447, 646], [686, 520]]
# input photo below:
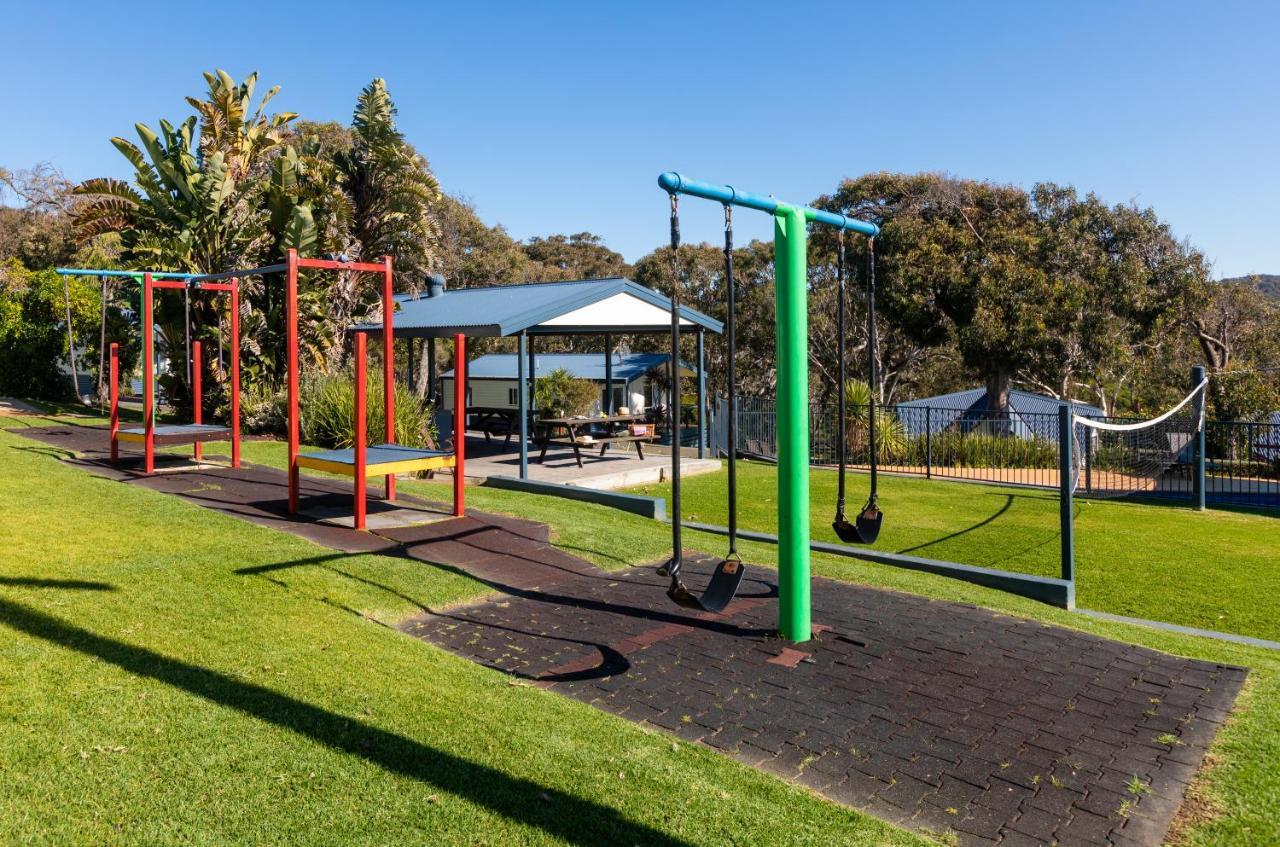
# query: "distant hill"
[[1268, 284]]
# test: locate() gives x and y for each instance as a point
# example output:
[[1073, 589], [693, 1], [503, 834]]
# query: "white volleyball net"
[[1116, 459]]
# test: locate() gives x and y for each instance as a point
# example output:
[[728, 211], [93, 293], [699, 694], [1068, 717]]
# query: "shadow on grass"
[[72, 584], [1008, 504], [561, 815], [52, 452]]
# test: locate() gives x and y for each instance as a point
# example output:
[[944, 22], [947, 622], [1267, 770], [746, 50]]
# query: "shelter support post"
[[360, 436], [1198, 492], [533, 375], [608, 373], [196, 361], [791, 272], [115, 401], [459, 424], [431, 369], [702, 395], [522, 402], [1066, 471]]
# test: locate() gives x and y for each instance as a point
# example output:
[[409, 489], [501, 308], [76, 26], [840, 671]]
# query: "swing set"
[[792, 333]]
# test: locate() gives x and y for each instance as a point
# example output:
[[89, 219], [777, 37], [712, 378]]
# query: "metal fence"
[[1019, 448], [1242, 463]]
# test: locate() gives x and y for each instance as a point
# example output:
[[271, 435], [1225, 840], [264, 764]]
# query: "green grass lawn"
[[246, 706], [1216, 569], [171, 675]]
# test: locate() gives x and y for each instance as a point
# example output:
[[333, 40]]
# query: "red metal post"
[[115, 401], [291, 331], [388, 365], [459, 423], [235, 373], [360, 434], [148, 375], [197, 413]]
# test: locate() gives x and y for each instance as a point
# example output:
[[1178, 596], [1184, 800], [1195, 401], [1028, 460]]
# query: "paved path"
[[937, 716]]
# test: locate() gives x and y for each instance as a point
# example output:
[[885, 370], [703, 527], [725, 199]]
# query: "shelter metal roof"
[[593, 306]]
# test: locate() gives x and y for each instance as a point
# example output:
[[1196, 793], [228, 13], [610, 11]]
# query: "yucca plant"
[[328, 412], [891, 434]]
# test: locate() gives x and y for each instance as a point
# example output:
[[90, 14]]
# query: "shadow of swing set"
[[360, 461]]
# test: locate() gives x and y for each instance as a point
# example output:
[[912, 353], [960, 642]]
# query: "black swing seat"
[[719, 592], [864, 530]]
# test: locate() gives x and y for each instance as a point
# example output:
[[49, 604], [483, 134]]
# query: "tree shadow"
[[1008, 504], [574, 819], [71, 584]]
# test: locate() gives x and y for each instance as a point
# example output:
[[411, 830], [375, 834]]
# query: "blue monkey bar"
[[126, 274], [674, 183]]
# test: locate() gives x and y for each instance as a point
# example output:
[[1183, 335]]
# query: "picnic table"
[[495, 420], [579, 432]]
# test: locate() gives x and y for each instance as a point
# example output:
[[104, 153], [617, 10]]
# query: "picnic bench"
[[495, 420], [579, 432]]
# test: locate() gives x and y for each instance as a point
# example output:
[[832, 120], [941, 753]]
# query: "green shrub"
[[328, 412], [559, 394], [33, 331], [983, 450], [263, 408]]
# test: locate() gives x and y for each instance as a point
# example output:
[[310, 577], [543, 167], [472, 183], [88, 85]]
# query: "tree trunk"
[[426, 368], [998, 392]]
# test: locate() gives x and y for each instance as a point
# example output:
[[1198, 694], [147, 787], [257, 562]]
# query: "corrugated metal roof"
[[626, 366], [1019, 401], [509, 309], [1030, 415]]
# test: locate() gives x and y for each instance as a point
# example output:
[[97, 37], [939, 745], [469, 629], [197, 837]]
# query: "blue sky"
[[558, 118]]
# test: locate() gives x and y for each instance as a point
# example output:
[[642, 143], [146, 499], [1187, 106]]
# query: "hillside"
[[1268, 284]]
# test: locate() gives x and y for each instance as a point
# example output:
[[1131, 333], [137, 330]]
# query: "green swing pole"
[[792, 311], [791, 268]]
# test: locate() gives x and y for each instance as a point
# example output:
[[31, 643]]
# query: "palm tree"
[[196, 202]]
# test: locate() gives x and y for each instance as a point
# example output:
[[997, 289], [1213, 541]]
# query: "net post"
[[1197, 494], [1065, 471], [1088, 462]]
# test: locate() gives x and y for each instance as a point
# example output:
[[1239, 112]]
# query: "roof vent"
[[435, 285]]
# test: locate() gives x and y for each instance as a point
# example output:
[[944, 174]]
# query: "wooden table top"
[[588, 419]]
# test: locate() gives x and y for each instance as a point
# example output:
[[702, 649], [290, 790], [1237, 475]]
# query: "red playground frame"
[[149, 435], [386, 460], [363, 460]]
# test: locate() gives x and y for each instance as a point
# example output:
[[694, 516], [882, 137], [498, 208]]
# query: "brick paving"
[[937, 716]]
